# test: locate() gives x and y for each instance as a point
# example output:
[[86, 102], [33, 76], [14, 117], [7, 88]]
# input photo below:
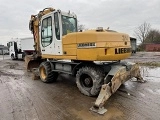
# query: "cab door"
[[50, 34]]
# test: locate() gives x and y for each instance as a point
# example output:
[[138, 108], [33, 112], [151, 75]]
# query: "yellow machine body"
[[97, 45], [91, 45], [94, 46]]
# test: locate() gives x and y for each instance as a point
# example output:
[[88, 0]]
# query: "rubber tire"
[[50, 76], [97, 76], [23, 56], [12, 57]]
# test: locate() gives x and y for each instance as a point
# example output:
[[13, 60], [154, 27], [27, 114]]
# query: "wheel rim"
[[43, 73], [86, 81]]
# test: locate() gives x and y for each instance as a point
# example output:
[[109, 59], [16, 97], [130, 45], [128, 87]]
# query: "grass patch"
[[155, 64]]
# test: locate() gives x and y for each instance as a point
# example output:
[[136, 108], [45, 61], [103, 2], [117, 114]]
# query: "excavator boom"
[[34, 28]]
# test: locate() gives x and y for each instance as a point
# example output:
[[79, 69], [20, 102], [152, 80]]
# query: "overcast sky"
[[120, 15]]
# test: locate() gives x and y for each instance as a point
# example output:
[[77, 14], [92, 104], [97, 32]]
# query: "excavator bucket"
[[118, 74], [31, 63]]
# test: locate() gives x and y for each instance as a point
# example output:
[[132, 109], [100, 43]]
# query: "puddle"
[[155, 92], [112, 113], [151, 73]]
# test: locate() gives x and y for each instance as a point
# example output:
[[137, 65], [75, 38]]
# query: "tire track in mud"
[[10, 69], [5, 73]]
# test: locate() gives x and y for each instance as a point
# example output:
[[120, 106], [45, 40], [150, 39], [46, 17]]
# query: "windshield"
[[69, 24]]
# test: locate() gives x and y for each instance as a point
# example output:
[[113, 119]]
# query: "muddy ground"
[[22, 98]]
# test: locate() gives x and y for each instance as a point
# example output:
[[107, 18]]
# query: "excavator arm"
[[33, 61], [34, 28]]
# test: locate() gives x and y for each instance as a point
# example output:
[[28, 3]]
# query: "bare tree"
[[153, 36], [81, 27], [142, 31]]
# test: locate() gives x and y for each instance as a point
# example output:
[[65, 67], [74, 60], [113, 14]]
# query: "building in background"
[[152, 47], [4, 50]]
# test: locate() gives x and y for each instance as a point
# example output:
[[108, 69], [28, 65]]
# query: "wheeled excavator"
[[92, 56]]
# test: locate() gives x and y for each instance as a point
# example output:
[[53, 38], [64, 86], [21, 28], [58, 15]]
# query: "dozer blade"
[[119, 74], [31, 62]]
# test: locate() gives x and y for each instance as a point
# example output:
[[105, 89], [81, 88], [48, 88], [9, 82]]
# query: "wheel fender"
[[80, 65]]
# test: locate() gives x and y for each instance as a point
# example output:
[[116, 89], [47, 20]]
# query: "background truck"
[[93, 56], [133, 44], [18, 48]]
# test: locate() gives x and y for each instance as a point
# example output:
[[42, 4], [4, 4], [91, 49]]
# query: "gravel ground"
[[22, 98]]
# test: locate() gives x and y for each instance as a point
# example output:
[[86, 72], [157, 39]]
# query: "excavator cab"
[[54, 26], [48, 28]]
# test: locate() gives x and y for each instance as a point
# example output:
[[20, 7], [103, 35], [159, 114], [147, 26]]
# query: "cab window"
[[57, 28], [46, 32], [11, 43], [69, 24]]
